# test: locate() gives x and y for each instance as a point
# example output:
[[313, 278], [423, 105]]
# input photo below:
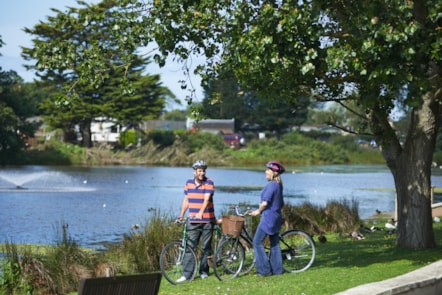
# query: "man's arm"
[[206, 201], [184, 207]]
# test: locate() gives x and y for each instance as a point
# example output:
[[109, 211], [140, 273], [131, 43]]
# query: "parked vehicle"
[[234, 140]]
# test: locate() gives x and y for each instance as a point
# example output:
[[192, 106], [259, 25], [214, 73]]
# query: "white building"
[[105, 130]]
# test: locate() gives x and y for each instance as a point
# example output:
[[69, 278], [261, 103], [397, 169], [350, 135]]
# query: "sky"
[[18, 14]]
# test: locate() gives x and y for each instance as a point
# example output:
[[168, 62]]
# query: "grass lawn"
[[341, 263]]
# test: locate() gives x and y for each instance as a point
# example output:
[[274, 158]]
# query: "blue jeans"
[[195, 232], [271, 264]]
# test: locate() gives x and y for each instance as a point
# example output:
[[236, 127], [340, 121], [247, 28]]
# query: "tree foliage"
[[84, 41], [225, 99], [379, 54], [17, 104]]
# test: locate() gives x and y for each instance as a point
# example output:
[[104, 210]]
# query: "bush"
[[437, 157], [129, 138], [345, 142], [12, 275], [203, 140], [161, 138], [58, 271]]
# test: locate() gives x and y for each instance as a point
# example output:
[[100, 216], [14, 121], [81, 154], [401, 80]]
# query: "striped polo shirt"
[[195, 195]]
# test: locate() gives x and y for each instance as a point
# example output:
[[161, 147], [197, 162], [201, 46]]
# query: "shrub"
[[58, 271], [12, 280], [203, 140], [161, 138], [129, 138], [346, 142]]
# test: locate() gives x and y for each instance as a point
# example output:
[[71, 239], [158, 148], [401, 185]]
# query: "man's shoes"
[[204, 275], [182, 279]]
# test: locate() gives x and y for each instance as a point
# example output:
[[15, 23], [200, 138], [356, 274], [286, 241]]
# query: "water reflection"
[[100, 204]]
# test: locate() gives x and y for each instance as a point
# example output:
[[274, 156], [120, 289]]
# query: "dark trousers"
[[195, 232]]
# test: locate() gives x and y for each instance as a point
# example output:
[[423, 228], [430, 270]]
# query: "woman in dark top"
[[271, 220]]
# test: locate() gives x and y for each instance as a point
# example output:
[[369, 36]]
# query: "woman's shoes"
[[264, 275]]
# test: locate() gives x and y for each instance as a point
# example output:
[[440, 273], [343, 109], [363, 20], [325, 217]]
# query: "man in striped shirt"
[[198, 200]]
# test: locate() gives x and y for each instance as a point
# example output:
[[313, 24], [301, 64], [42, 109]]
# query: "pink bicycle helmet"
[[275, 166]]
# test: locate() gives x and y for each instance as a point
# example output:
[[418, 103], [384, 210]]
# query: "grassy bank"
[[341, 263], [292, 149]]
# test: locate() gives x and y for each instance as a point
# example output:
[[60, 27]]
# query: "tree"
[[378, 53], [225, 99], [89, 28], [17, 105], [175, 115]]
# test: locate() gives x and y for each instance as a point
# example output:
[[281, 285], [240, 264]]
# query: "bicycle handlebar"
[[183, 220], [237, 212], [180, 220], [235, 207]]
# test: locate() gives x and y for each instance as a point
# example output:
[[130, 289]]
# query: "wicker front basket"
[[232, 225]]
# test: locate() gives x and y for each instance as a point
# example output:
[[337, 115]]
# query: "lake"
[[100, 204]]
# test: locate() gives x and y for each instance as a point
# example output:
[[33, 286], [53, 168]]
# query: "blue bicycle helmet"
[[275, 167], [199, 164]]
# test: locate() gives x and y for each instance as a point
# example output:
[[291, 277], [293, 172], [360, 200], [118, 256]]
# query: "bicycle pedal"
[[210, 261]]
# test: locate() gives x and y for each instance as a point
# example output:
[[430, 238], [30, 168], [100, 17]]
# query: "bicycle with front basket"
[[297, 247], [226, 260]]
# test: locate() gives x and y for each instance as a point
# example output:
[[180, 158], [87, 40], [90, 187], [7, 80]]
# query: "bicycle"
[[226, 261], [297, 247]]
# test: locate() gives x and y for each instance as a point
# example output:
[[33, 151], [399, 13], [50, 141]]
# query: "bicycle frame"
[[297, 248], [226, 263]]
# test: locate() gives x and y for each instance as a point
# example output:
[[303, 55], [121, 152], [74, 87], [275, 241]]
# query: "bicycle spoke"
[[298, 251], [228, 259], [249, 258], [172, 262]]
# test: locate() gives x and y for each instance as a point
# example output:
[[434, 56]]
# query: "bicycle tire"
[[228, 259], [298, 250], [249, 256], [172, 261]]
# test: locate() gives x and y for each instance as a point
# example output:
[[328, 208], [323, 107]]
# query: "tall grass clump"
[[336, 216], [140, 249], [67, 263], [57, 271], [13, 278]]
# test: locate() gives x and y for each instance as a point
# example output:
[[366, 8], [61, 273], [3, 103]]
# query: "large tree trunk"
[[413, 189], [412, 175], [410, 164]]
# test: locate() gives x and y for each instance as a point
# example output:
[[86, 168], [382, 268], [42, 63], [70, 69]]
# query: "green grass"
[[341, 263]]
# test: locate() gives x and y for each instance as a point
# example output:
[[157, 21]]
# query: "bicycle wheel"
[[249, 256], [228, 259], [298, 250], [172, 262]]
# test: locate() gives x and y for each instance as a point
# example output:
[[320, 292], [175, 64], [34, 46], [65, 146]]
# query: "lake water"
[[100, 204]]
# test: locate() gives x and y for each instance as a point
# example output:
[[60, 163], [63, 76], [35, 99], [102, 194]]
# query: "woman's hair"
[[277, 177]]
